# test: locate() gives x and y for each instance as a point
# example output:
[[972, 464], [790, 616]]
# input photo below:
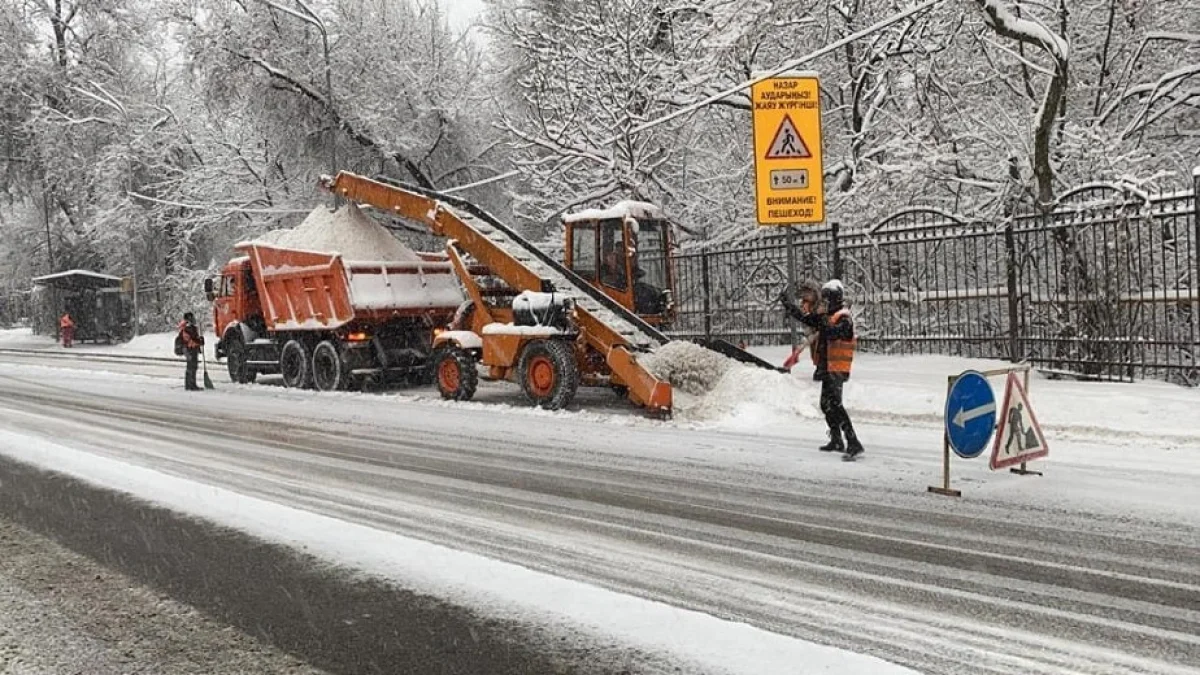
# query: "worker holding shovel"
[[836, 342], [193, 343]]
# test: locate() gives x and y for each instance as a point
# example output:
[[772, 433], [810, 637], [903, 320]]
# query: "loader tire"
[[295, 364], [548, 374], [455, 372], [235, 359], [329, 372]]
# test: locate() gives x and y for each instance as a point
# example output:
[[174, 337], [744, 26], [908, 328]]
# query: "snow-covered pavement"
[[721, 544]]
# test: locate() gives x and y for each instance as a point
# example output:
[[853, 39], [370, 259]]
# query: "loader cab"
[[623, 251], [233, 295]]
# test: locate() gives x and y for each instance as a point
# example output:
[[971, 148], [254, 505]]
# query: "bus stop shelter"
[[96, 302]]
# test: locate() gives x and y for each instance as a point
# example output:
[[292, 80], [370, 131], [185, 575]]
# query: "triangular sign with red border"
[[788, 144], [1019, 437]]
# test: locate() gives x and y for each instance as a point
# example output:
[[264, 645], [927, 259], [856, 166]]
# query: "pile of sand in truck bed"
[[708, 386], [348, 231]]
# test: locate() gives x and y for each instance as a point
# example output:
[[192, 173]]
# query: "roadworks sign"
[[1019, 437], [789, 187]]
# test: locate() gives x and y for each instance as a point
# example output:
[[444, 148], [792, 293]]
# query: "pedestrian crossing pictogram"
[[788, 144]]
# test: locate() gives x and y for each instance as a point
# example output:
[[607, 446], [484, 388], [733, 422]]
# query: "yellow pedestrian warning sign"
[[1019, 437], [788, 143], [788, 182]]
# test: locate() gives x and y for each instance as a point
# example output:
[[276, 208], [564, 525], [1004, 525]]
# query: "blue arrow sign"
[[970, 414]]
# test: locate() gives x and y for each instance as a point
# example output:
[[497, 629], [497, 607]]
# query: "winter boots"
[[834, 445], [850, 450]]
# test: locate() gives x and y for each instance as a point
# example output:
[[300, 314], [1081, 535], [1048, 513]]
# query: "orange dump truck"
[[323, 322]]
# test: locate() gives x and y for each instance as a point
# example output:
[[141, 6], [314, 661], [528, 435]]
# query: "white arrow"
[[965, 416]]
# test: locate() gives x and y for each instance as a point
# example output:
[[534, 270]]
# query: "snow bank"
[[687, 366], [348, 231], [11, 335], [698, 642], [749, 399], [914, 387], [711, 387], [158, 345]]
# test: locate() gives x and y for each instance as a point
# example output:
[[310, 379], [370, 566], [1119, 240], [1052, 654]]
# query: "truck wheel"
[[455, 371], [295, 365], [548, 374], [235, 359], [328, 368]]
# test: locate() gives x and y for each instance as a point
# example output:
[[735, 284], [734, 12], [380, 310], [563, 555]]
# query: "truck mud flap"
[[726, 348]]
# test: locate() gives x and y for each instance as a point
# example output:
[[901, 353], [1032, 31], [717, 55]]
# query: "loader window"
[[227, 286], [583, 250], [651, 268], [613, 271]]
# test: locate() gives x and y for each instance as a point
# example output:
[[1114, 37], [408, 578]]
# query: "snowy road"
[[61, 613], [1093, 568]]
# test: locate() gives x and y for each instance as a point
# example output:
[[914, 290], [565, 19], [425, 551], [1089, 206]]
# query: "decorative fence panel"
[[1104, 286]]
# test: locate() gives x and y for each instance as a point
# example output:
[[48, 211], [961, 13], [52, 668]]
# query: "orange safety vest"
[[65, 321], [841, 352], [187, 339]]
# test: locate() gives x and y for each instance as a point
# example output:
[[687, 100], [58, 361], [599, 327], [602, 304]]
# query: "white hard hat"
[[833, 285]]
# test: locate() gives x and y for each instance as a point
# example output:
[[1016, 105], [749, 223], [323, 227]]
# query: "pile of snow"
[[272, 237], [747, 398], [912, 388], [157, 345], [687, 366], [16, 334], [709, 387], [348, 231]]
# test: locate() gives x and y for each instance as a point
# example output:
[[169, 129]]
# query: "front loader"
[[528, 319]]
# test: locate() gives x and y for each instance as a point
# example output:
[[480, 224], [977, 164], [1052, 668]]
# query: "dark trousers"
[[193, 362], [836, 416]]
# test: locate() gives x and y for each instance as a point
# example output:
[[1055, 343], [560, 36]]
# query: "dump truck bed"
[[310, 290]]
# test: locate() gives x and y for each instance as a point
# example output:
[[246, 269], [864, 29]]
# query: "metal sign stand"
[[945, 489], [1022, 470], [791, 278]]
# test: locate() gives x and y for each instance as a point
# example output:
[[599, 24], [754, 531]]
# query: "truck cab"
[[235, 300], [624, 252]]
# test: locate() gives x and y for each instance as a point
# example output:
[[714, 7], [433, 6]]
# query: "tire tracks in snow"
[[937, 590]]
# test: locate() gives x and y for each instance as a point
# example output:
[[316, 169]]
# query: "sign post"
[[789, 183]]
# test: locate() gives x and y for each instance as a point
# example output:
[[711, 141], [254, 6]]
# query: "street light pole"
[[310, 17]]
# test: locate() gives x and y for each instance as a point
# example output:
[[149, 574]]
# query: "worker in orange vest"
[[66, 329], [193, 342], [833, 355]]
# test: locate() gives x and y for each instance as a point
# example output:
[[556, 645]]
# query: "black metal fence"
[[1107, 285]]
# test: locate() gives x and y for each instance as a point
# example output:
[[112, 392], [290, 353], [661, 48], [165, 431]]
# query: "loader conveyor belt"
[[630, 326], [639, 333]]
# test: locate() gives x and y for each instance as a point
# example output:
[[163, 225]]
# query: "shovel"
[[207, 380]]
